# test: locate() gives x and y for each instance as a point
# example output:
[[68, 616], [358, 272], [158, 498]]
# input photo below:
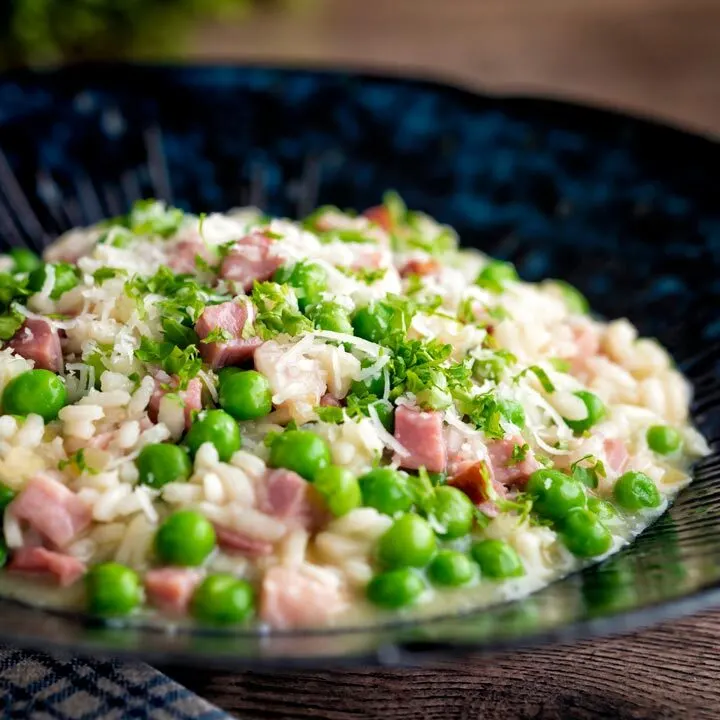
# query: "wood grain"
[[666, 673], [656, 57]]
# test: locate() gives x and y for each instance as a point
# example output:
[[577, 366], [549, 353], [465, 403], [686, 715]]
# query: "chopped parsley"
[[183, 303], [78, 460], [217, 335], [152, 217], [519, 453], [185, 364], [541, 375], [107, 273], [13, 290], [277, 311], [589, 474], [330, 414], [493, 366], [365, 275], [560, 364]]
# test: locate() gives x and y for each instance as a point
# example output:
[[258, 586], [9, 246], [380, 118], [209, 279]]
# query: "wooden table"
[[669, 672], [657, 57]]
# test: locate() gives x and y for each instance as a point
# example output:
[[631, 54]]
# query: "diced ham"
[[52, 510], [328, 400], [182, 256], [297, 597], [233, 541], [421, 434], [96, 442], [476, 481], [38, 341], [231, 317], [503, 469], [428, 266], [287, 496], [191, 397], [616, 453], [252, 259], [171, 589], [99, 442], [380, 215], [65, 568], [371, 258], [587, 345]]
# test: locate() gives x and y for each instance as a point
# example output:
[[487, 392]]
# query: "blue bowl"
[[623, 208]]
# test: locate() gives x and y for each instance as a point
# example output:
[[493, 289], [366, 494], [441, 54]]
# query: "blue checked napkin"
[[38, 686]]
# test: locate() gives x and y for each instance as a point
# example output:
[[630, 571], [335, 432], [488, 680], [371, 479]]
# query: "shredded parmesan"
[[369, 348]]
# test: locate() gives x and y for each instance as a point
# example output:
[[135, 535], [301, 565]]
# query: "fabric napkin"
[[39, 686]]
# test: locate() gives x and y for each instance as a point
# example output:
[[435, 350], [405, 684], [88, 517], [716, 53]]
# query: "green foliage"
[[39, 31]]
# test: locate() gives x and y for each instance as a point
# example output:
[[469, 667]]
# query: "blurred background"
[[654, 57]]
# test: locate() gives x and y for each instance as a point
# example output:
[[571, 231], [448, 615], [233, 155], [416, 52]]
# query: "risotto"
[[236, 419]]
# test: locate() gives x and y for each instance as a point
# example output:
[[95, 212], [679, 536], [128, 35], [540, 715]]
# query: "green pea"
[[409, 542], [185, 538], [330, 316], [302, 451], [575, 301], [512, 411], [223, 599], [386, 490], [7, 495], [496, 275], [663, 440], [340, 489], [554, 493], [497, 559], [24, 260], [162, 463], [227, 372], [584, 534], [112, 590], [453, 511], [65, 279], [437, 478], [396, 588], [636, 491], [595, 412], [35, 391], [308, 279], [452, 568], [604, 510], [371, 323], [218, 428], [246, 395]]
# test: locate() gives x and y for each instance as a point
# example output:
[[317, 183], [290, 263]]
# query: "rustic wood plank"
[[666, 673], [656, 57]]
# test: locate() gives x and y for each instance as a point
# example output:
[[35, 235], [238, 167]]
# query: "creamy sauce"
[[436, 603]]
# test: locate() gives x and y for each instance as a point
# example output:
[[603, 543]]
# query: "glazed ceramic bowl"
[[626, 210]]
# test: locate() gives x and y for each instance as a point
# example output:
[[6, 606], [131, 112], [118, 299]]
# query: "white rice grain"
[[213, 489], [30, 435], [107, 507]]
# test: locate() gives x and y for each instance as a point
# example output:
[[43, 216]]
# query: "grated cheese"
[[369, 348]]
